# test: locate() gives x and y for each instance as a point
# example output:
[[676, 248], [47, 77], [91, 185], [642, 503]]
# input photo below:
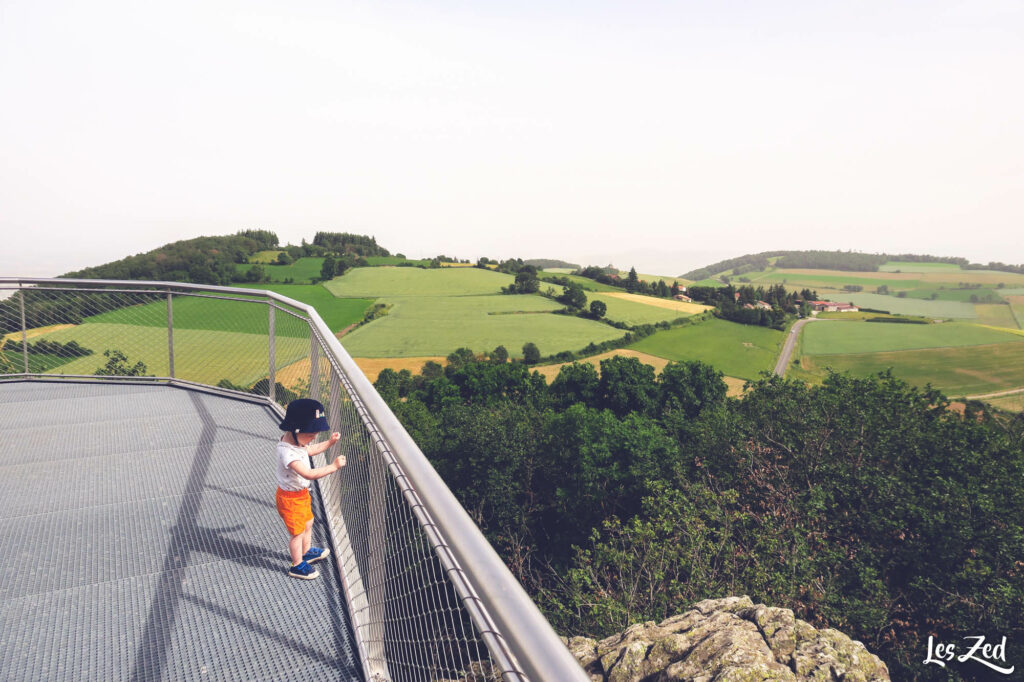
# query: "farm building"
[[831, 307], [684, 298]]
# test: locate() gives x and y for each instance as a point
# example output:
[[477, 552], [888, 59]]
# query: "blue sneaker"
[[304, 571], [315, 554]]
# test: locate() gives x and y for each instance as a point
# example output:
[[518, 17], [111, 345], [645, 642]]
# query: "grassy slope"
[[1017, 307], [970, 370], [199, 355], [429, 325], [719, 343], [436, 311], [911, 306], [835, 338], [192, 312], [995, 314], [653, 279], [585, 282], [385, 282], [393, 260], [635, 312], [301, 271], [338, 313]]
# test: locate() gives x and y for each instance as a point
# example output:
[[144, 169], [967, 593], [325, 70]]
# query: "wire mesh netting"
[[415, 615], [412, 621]]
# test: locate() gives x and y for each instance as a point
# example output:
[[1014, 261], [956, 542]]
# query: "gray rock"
[[727, 640]]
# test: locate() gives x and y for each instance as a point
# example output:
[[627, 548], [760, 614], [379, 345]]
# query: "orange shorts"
[[295, 508]]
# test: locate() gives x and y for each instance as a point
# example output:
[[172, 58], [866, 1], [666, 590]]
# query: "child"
[[303, 420]]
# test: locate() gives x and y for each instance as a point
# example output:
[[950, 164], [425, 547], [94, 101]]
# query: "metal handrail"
[[516, 619]]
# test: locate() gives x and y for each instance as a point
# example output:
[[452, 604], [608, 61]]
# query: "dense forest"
[[827, 260], [621, 496], [344, 242], [203, 260], [546, 263]]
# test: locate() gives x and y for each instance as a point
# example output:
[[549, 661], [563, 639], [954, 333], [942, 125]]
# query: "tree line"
[[621, 496], [850, 261]]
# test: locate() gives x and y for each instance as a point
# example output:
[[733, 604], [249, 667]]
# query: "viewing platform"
[[139, 535], [139, 541]]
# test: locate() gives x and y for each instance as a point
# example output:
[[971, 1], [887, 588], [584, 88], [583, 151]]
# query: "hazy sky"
[[658, 134]]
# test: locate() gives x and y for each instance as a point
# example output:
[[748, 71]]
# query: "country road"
[[787, 348]]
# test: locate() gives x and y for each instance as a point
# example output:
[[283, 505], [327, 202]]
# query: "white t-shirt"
[[286, 478]]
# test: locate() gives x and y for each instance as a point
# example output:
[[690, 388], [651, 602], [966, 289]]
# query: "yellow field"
[[670, 304], [549, 372], [1013, 402], [38, 331], [265, 257], [1018, 332], [297, 372], [372, 367]]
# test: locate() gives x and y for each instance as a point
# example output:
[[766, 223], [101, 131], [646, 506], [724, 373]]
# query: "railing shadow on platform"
[[428, 597]]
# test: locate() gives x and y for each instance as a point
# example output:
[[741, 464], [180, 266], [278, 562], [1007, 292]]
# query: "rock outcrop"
[[727, 640]]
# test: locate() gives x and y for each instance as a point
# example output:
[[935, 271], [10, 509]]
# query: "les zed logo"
[[981, 652]]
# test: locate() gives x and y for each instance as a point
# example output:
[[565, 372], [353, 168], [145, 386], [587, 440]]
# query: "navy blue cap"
[[305, 416]]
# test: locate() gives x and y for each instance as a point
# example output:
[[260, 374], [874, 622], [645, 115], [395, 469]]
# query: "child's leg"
[[307, 537], [295, 547]]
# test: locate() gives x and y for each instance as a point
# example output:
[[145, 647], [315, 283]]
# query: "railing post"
[[24, 329], [273, 352], [170, 335], [314, 365]]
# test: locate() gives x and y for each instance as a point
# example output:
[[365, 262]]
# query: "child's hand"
[[335, 437], [339, 462]]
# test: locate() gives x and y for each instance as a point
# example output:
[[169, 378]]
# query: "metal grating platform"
[[139, 541]]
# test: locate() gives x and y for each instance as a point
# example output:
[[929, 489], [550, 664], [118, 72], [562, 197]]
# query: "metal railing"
[[428, 597]]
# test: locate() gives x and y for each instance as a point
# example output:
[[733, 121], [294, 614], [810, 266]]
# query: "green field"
[[911, 306], [653, 279], [194, 312], [302, 271], [437, 325], [386, 282], [995, 314], [834, 338], [969, 370], [1017, 308], [199, 355], [338, 313], [38, 363], [393, 260], [633, 313], [829, 281], [737, 350], [585, 282], [910, 266], [707, 283], [984, 295], [191, 312]]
